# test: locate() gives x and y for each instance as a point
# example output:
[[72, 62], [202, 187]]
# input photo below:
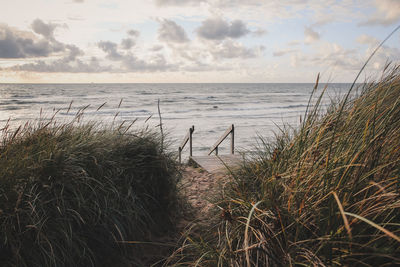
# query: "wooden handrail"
[[187, 138], [230, 130]]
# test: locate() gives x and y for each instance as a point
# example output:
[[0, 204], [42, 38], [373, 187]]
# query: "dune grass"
[[71, 194], [327, 194]]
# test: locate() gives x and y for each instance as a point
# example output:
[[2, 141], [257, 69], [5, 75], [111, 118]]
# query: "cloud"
[[110, 49], [124, 63], [156, 48], [230, 49], [46, 30], [127, 43], [218, 29], [177, 2], [367, 39], [171, 32], [310, 35], [130, 62], [68, 63], [388, 12], [22, 44], [259, 32], [133, 33], [153, 64], [216, 3], [282, 52], [330, 55], [78, 1], [294, 43], [64, 65]]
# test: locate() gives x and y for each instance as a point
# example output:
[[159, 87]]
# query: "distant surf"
[[255, 109]]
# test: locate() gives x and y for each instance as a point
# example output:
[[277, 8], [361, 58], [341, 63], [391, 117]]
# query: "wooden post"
[[191, 130], [233, 140], [216, 151], [180, 152]]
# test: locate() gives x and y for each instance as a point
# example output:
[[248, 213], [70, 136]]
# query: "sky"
[[194, 41]]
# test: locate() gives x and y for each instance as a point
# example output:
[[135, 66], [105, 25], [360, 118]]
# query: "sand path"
[[199, 187]]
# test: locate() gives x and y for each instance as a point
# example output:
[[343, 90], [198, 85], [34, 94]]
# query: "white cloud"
[[367, 39], [388, 12], [294, 43], [283, 52], [177, 2]]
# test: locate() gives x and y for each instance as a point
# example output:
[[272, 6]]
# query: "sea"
[[257, 110]]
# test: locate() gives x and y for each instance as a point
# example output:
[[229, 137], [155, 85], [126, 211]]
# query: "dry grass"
[[327, 194]]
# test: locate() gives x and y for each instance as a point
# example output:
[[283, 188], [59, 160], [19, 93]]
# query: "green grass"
[[327, 194], [71, 194]]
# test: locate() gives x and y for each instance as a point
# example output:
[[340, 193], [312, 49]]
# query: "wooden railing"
[[187, 138], [230, 130]]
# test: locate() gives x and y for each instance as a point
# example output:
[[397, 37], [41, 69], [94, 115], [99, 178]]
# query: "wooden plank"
[[222, 138], [217, 164]]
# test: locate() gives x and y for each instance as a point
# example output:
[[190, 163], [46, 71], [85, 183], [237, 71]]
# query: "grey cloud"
[[46, 30], [17, 44], [282, 52], [69, 63], [130, 62], [73, 53], [110, 49], [156, 48], [133, 33], [155, 64], [127, 43], [310, 35], [259, 32], [64, 65], [218, 29], [229, 49], [169, 31]]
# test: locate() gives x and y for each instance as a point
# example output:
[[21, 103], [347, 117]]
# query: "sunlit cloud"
[[229, 40]]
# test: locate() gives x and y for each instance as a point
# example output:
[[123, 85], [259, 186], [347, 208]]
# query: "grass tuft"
[[72, 194]]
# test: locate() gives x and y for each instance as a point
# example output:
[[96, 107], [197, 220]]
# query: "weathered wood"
[[233, 140], [217, 164], [222, 138], [191, 141], [188, 137], [185, 140]]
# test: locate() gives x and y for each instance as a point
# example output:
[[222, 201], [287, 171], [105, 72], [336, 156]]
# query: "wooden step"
[[216, 164]]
